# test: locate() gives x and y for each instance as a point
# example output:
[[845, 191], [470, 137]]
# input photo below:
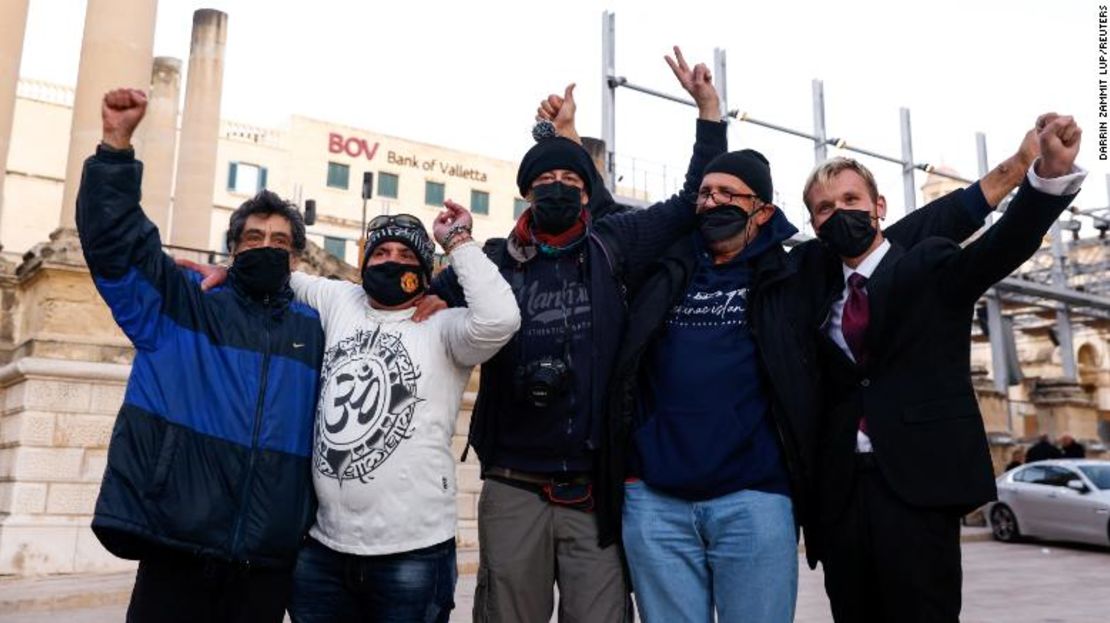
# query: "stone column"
[[200, 128], [1063, 407], [13, 24], [159, 140], [116, 52]]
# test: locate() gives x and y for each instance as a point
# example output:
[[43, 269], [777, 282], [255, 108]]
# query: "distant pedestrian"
[[1017, 459], [1043, 450], [1070, 448]]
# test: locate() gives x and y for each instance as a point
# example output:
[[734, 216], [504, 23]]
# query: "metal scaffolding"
[[1064, 285]]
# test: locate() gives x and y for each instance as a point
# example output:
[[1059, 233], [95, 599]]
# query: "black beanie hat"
[[415, 238], [750, 166], [552, 153]]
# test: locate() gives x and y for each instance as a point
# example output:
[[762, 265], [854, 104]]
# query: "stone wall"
[[55, 423]]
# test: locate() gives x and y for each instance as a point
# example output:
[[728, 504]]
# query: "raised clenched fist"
[[121, 111], [1059, 138]]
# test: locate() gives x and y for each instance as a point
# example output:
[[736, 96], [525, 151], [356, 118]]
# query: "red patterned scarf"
[[527, 234]]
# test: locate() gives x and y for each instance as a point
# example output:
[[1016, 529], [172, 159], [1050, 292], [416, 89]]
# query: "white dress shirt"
[[1063, 185]]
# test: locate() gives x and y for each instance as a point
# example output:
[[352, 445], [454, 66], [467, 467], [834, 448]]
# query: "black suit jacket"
[[915, 389]]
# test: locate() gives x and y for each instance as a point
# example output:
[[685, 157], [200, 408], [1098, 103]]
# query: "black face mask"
[[261, 272], [722, 223], [555, 207], [848, 232], [393, 283]]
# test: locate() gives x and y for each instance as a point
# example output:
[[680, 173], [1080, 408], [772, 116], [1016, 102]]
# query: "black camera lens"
[[542, 381]]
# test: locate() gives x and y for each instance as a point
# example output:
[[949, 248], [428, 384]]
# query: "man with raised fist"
[[894, 352], [208, 483]]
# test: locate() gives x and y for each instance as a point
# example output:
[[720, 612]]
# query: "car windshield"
[[1099, 474]]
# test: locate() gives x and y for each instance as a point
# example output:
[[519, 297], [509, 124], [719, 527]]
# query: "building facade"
[[304, 159]]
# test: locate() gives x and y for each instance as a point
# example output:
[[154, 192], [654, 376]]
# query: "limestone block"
[[22, 498], [31, 550], [65, 396], [467, 505], [458, 446], [995, 411], [13, 398], [1079, 421], [46, 464], [469, 478], [91, 557], [466, 537], [61, 295], [27, 428], [83, 431], [71, 498], [107, 398], [462, 422], [7, 462], [93, 464]]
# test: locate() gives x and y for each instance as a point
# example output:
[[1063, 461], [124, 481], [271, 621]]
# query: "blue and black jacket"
[[211, 449]]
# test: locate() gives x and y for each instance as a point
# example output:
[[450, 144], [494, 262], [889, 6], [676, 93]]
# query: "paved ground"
[[1024, 583]]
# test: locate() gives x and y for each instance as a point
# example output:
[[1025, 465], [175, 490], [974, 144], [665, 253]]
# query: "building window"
[[519, 206], [336, 246], [339, 175], [479, 202], [433, 193], [387, 185], [244, 178]]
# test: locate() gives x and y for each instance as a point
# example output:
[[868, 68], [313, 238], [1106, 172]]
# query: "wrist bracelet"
[[455, 242], [452, 233]]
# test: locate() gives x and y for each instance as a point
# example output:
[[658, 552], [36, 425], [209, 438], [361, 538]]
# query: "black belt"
[[504, 473]]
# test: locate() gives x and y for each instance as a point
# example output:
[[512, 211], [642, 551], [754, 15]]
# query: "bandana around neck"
[[551, 244]]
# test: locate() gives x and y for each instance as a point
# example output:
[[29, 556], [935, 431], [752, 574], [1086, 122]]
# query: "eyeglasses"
[[723, 197], [402, 220]]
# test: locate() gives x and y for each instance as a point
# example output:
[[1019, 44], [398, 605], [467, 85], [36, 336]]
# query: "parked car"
[[1063, 499]]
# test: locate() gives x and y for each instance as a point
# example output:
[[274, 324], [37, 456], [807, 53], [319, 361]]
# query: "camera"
[[542, 381]]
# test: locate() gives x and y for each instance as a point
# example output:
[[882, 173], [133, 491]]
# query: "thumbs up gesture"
[[560, 111]]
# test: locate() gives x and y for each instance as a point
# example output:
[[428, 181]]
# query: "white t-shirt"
[[390, 391]]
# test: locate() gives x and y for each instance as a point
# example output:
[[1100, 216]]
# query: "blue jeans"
[[409, 587], [737, 553]]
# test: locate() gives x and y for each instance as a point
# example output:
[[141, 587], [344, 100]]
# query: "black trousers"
[[887, 561], [174, 587]]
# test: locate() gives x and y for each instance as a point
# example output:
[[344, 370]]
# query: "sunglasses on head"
[[401, 220]]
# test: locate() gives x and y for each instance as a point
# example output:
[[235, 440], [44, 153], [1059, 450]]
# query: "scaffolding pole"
[[999, 367], [720, 80], [820, 139], [609, 96], [909, 192], [1063, 317]]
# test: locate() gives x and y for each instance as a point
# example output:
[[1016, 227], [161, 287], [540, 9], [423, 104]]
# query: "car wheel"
[[1004, 525]]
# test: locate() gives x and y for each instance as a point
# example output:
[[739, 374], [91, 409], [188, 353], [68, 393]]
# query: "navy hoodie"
[[706, 425]]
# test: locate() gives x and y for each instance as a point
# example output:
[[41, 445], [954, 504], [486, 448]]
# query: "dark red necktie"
[[856, 316], [854, 322]]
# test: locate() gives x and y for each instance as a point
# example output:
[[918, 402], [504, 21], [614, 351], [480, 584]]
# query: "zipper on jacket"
[[248, 480]]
